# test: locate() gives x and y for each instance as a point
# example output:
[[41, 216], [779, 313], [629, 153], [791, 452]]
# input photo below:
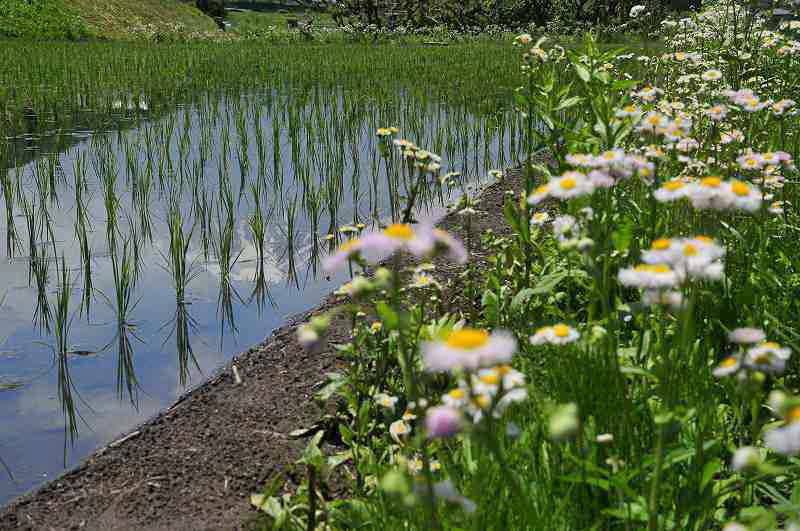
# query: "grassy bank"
[[111, 19]]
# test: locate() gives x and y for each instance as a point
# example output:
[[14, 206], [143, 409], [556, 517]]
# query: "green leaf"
[[521, 298], [582, 72], [548, 282], [624, 84], [569, 102], [636, 371], [709, 471], [335, 382], [389, 317]]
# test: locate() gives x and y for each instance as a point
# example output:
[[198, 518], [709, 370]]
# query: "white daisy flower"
[[571, 184], [751, 161], [746, 336], [672, 191], [649, 276], [744, 197], [767, 357], [711, 75], [540, 194], [399, 431], [786, 439], [468, 348], [746, 458], [558, 334], [540, 218], [717, 113], [726, 367], [386, 401]]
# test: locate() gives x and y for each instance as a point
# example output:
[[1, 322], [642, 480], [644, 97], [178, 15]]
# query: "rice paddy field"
[[166, 207]]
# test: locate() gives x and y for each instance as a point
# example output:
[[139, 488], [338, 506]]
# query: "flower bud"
[[746, 458], [564, 422]]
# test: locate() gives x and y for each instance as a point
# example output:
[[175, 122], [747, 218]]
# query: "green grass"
[[110, 19], [45, 19], [114, 19]]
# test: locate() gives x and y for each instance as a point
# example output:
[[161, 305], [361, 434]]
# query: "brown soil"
[[195, 465]]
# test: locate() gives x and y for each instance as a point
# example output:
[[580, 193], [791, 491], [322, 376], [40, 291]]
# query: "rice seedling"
[[13, 243], [178, 264]]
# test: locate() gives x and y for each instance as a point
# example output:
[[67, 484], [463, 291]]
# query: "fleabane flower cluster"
[[754, 354], [489, 390], [611, 165], [746, 99], [670, 128], [712, 193], [672, 261], [419, 241], [422, 159]]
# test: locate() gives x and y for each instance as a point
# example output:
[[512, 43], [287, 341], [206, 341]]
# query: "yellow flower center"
[[704, 239], [483, 401], [543, 189], [770, 344], [503, 369], [456, 394], [793, 415], [729, 362], [655, 268], [400, 231], [763, 358], [490, 378], [630, 109], [561, 330], [568, 183], [468, 338], [739, 188], [711, 182], [661, 244], [690, 250], [349, 245], [673, 185]]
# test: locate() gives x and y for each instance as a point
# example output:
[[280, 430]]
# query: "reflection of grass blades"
[[66, 387], [86, 266], [182, 322], [62, 319], [7, 469], [126, 369], [227, 293], [42, 315], [291, 214]]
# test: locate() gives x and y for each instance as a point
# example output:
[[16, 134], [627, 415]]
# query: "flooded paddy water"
[[145, 249]]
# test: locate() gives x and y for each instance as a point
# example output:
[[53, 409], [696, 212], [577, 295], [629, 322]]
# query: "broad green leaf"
[[548, 282], [389, 317]]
